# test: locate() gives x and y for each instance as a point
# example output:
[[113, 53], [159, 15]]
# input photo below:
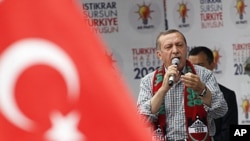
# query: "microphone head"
[[175, 61]]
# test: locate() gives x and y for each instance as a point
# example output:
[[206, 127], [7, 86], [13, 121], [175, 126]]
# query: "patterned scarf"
[[196, 116]]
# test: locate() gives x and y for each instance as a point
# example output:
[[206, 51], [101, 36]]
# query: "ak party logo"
[[145, 17], [183, 15], [239, 13]]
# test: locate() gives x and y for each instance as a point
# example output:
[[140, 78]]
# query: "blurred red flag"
[[56, 83]]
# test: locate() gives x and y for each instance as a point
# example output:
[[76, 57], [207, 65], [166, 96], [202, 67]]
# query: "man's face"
[[201, 60], [172, 46]]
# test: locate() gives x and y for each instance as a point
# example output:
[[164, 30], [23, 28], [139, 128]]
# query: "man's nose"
[[175, 49]]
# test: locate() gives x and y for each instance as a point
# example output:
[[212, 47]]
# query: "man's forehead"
[[171, 37]]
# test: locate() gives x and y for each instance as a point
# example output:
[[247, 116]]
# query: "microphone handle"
[[171, 80]]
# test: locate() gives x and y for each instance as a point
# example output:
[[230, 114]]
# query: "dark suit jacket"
[[231, 117]]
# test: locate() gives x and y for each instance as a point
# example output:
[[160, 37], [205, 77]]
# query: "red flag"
[[56, 83]]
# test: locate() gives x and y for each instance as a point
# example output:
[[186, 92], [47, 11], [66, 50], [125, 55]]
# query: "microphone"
[[175, 61]]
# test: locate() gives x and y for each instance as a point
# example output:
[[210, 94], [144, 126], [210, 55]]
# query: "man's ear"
[[213, 65], [158, 54]]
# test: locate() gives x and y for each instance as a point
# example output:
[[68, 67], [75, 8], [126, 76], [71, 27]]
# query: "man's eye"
[[179, 45], [167, 47]]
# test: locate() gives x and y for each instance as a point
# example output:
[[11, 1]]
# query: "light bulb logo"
[[245, 107], [144, 12], [183, 11], [240, 7]]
